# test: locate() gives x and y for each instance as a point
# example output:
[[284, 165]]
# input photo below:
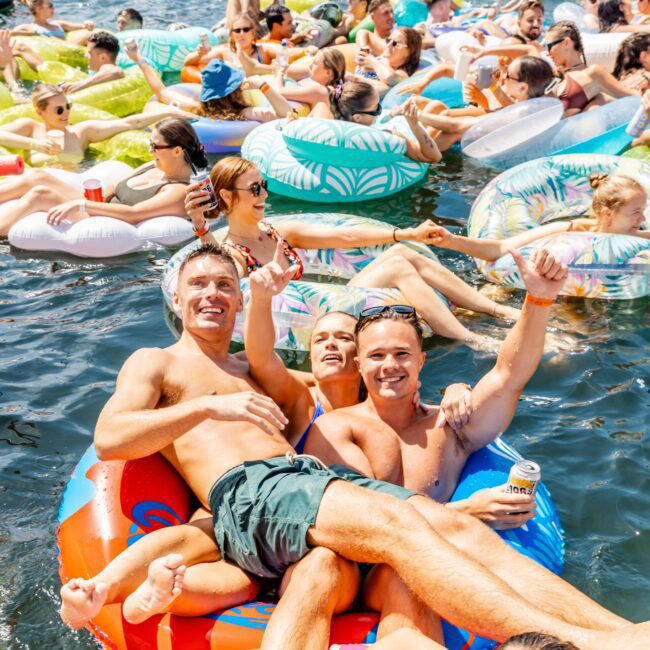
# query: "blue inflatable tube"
[[447, 90]]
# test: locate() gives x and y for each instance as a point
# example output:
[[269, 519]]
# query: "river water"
[[67, 325]]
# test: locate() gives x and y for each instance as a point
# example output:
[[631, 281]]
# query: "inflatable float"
[[97, 236], [301, 160], [107, 506], [50, 49], [446, 90], [503, 139], [541, 191]]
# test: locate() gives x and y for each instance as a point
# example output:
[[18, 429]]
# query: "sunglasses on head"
[[405, 310], [241, 30], [373, 113], [552, 44], [255, 188], [62, 109], [155, 147]]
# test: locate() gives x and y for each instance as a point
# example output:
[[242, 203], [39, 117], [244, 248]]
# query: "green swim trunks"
[[263, 509]]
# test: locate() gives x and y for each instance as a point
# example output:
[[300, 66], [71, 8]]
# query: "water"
[[66, 327]]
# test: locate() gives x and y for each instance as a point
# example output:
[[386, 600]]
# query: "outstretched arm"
[[496, 395], [109, 73]]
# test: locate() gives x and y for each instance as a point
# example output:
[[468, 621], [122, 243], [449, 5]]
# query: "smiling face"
[[390, 359], [384, 20], [530, 24], [558, 48], [397, 51], [440, 12], [628, 217], [208, 296], [56, 113], [368, 114], [512, 86], [318, 71], [333, 347], [95, 56], [241, 201], [626, 9]]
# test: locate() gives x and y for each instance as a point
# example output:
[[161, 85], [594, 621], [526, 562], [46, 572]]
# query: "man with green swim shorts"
[[198, 406]]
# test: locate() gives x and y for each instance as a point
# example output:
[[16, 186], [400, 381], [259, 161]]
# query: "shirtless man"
[[198, 382], [381, 12]]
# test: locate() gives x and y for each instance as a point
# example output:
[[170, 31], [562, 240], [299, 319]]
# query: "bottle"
[[282, 56], [638, 123], [358, 71], [205, 41], [462, 65]]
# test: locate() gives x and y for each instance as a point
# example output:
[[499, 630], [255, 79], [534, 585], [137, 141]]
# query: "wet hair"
[[224, 176], [210, 250], [274, 15], [179, 133], [132, 15], [106, 42], [42, 94], [375, 4], [252, 23], [412, 319], [537, 641], [334, 61], [611, 192], [536, 72], [628, 57], [414, 45], [229, 107], [527, 5], [564, 29], [354, 97], [610, 14]]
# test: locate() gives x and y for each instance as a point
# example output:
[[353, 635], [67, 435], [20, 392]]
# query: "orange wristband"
[[204, 230], [264, 88], [539, 302]]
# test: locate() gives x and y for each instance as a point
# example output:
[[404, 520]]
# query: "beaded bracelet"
[[539, 302]]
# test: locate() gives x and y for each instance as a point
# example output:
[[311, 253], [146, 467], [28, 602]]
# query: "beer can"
[[205, 41], [130, 44], [524, 478], [638, 123], [202, 177]]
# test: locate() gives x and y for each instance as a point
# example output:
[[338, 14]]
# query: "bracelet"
[[141, 60], [203, 230], [82, 206], [264, 87], [395, 234], [539, 302]]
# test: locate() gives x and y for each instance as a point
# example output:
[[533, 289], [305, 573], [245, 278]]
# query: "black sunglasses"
[[155, 147], [509, 76], [241, 30], [552, 44], [395, 43], [255, 189], [62, 109], [406, 310], [374, 113]]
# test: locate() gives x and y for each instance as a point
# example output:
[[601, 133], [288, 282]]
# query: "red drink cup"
[[93, 190]]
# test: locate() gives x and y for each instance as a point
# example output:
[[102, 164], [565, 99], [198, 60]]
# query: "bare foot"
[[507, 313], [481, 343], [163, 585], [81, 600]]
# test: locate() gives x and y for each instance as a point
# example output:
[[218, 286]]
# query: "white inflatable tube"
[[601, 49]]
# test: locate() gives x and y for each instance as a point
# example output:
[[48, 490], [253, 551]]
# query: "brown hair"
[[225, 173], [611, 192], [537, 641], [628, 57], [526, 5], [251, 21], [33, 5], [334, 61], [209, 250], [565, 28], [414, 45], [354, 97], [388, 314], [375, 4], [179, 133], [535, 72], [42, 94], [229, 107]]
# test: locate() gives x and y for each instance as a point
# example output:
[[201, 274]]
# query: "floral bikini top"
[[252, 263]]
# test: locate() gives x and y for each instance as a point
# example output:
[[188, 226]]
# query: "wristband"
[[264, 87], [539, 302], [141, 60], [82, 206], [203, 230], [395, 235]]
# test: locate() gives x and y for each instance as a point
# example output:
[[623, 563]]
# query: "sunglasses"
[[62, 109], [406, 310], [552, 44], [395, 43], [241, 30], [156, 147], [509, 76], [255, 189], [373, 113]]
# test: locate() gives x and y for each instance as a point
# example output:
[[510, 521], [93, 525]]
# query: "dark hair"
[[107, 42], [515, 37], [565, 28], [210, 250], [133, 15], [526, 5], [352, 98], [629, 54], [414, 45], [412, 319], [274, 14], [610, 14], [537, 641], [180, 133], [536, 72], [334, 61], [229, 107], [375, 4]]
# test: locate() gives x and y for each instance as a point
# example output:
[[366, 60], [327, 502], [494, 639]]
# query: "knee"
[[323, 565], [39, 193], [396, 264], [37, 177]]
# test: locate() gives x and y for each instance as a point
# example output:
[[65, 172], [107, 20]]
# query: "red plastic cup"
[[93, 190], [11, 165]]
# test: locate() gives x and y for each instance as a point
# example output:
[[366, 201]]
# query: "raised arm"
[[130, 426], [108, 73], [495, 397], [424, 149]]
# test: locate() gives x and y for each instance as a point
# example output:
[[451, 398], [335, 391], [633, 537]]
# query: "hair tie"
[[338, 89]]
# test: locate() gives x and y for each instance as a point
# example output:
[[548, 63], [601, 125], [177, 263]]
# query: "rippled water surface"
[[66, 327]]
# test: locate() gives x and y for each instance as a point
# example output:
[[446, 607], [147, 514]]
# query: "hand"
[[414, 88], [411, 113], [271, 279], [311, 50], [177, 111], [195, 198], [69, 87], [247, 406], [363, 59], [430, 233], [6, 55], [89, 25], [544, 275], [473, 95], [255, 81], [47, 146], [202, 49], [500, 510], [68, 211], [417, 401], [456, 405], [134, 54]]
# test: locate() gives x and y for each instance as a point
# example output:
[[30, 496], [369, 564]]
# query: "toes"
[[173, 560]]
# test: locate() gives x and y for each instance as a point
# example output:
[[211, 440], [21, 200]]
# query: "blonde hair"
[[251, 22], [42, 94], [224, 176], [33, 5], [611, 192]]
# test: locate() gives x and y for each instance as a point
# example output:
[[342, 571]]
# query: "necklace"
[[572, 67], [234, 234]]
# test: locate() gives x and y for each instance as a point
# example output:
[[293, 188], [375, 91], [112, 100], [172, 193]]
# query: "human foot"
[[505, 312], [81, 600], [163, 585]]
